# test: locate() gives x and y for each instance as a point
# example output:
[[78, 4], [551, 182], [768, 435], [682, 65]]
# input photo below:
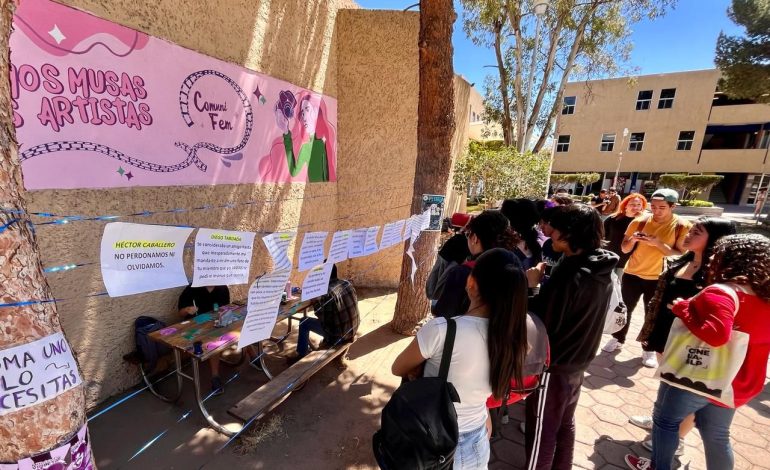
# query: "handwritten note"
[[340, 246], [312, 251], [370, 243], [222, 257], [262, 308], [357, 241], [278, 245], [316, 282], [36, 372]]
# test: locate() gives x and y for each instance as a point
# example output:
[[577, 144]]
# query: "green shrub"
[[697, 203]]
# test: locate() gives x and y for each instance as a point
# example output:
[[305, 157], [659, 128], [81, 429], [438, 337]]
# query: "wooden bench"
[[273, 393]]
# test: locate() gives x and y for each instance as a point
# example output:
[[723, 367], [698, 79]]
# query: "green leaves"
[[745, 61], [689, 186], [500, 172]]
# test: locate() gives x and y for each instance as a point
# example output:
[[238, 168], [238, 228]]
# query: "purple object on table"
[[167, 331], [212, 345]]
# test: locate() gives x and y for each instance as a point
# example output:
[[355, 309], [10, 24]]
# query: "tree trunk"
[[435, 128], [38, 428], [503, 73]]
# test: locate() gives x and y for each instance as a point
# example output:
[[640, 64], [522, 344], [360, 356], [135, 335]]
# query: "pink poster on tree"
[[99, 105]]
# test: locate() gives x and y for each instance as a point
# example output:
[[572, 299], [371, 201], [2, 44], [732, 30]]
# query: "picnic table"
[[181, 337]]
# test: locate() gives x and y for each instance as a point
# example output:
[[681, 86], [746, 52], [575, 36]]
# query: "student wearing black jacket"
[[572, 305]]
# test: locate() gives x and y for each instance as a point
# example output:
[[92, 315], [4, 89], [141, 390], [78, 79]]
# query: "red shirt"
[[709, 316]]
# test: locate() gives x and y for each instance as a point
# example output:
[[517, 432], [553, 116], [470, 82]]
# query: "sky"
[[684, 39]]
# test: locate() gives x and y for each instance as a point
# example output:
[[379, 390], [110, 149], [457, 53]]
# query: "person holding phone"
[[648, 240]]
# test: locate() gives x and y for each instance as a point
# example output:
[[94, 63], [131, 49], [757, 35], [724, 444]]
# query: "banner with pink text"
[[99, 105]]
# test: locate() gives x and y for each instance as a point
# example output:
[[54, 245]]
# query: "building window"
[[643, 100], [666, 100], [562, 145], [608, 142], [636, 142], [569, 105], [685, 140]]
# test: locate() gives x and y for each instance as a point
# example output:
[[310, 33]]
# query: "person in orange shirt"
[[648, 239]]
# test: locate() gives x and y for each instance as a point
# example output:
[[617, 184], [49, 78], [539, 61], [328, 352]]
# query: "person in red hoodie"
[[743, 263]]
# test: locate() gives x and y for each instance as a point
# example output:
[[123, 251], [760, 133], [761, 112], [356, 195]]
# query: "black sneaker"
[[217, 387]]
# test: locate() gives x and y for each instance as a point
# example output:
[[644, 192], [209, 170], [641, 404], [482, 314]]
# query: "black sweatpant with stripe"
[[549, 436]]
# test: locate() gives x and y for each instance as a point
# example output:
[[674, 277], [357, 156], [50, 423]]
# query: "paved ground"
[[328, 424]]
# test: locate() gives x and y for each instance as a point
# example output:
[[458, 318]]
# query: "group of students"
[[555, 260]]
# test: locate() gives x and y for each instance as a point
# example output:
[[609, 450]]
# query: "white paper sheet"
[[222, 257], [36, 372], [357, 241], [316, 282], [340, 246], [370, 244], [262, 307], [139, 258], [391, 234], [313, 249], [407, 229], [410, 253], [415, 225], [425, 219], [278, 245]]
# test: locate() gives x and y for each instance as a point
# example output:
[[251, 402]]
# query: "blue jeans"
[[713, 422], [305, 327], [472, 450]]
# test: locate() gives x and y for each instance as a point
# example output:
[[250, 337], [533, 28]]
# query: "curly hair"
[[743, 259]]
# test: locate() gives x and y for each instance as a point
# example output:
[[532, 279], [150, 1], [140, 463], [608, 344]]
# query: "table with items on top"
[[182, 337]]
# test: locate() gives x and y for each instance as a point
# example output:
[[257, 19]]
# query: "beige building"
[[669, 123], [366, 59], [477, 128]]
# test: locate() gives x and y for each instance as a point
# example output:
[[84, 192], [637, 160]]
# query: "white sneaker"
[[679, 450], [612, 345], [649, 359], [644, 422]]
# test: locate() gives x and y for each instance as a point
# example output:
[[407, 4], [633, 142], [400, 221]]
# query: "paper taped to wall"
[[138, 258]]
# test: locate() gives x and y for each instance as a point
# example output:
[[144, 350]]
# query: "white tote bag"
[[694, 365], [616, 310]]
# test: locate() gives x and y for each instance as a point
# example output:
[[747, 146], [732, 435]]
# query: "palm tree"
[[435, 128], [43, 427]]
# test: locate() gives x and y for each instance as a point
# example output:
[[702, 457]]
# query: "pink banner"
[[99, 105]]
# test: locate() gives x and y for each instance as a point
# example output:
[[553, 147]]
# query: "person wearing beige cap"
[[649, 239]]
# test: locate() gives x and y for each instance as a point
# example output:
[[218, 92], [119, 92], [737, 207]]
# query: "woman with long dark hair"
[[488, 230], [524, 216], [737, 299], [682, 277], [489, 349]]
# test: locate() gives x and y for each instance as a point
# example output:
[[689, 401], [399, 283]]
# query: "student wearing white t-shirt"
[[489, 349]]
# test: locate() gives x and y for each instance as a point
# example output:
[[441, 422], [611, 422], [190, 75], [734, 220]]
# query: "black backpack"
[[418, 427], [148, 350]]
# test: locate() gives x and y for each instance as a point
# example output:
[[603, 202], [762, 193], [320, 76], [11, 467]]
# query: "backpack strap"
[[449, 342]]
